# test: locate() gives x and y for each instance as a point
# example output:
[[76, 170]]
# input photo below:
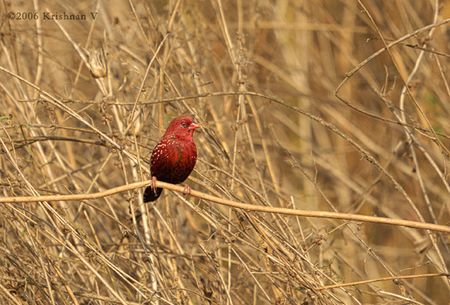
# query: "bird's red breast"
[[173, 160], [174, 157]]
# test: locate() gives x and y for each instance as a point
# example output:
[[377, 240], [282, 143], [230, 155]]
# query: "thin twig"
[[381, 279], [233, 204]]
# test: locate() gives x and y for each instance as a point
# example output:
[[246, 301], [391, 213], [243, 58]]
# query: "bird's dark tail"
[[150, 194]]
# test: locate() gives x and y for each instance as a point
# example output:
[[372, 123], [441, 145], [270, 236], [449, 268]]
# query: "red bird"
[[174, 157]]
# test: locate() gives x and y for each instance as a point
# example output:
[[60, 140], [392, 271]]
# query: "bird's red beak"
[[194, 126]]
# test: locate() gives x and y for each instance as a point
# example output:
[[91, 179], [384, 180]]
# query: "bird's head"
[[182, 128]]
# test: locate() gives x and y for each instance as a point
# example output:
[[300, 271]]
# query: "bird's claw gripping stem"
[[187, 190], [153, 184]]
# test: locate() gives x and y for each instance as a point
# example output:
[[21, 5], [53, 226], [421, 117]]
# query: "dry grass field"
[[338, 106]]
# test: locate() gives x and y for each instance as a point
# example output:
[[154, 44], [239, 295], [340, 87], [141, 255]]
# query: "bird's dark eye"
[[184, 125]]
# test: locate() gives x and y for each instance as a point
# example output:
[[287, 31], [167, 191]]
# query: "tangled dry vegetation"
[[296, 97]]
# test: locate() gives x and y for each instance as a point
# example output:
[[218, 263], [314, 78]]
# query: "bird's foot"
[[187, 190], [153, 184]]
